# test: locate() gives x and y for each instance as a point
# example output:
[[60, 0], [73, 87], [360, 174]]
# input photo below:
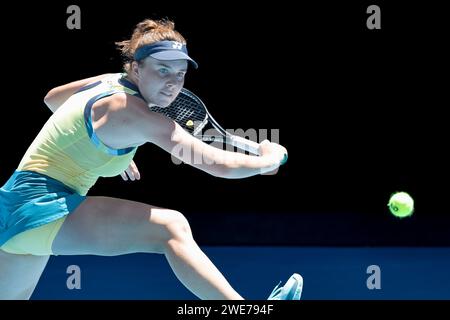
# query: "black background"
[[361, 112]]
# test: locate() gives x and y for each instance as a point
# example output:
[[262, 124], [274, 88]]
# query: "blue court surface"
[[339, 273]]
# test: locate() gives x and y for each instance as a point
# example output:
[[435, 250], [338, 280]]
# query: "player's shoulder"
[[121, 101]]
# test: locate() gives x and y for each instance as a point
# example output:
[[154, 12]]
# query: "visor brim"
[[173, 55]]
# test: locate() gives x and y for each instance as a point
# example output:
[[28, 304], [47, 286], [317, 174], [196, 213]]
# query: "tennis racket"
[[191, 114]]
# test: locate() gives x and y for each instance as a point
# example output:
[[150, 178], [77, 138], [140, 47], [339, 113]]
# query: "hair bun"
[[149, 25]]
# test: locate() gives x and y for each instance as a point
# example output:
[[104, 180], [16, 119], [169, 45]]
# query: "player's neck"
[[132, 79]]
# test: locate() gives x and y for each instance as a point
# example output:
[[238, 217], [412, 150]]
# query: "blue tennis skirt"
[[30, 199]]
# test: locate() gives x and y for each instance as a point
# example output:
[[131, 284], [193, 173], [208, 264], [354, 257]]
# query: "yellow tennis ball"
[[401, 204], [189, 123]]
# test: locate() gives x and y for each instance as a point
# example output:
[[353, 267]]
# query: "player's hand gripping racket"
[[191, 114]]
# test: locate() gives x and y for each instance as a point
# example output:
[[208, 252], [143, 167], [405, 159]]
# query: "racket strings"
[[191, 114], [185, 111]]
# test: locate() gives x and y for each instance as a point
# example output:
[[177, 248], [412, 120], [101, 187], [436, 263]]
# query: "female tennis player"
[[96, 127]]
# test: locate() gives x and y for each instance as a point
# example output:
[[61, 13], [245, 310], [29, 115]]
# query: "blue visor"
[[164, 50]]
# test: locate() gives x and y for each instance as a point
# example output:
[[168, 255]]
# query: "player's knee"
[[178, 227]]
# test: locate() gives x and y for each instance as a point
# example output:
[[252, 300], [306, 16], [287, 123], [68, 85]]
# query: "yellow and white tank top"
[[67, 148]]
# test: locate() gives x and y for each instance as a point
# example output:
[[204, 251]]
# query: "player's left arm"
[[58, 95]]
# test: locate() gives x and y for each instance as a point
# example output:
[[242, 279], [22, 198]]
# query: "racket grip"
[[284, 159], [245, 144], [251, 146]]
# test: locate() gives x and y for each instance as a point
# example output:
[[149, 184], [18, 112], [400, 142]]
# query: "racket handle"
[[250, 146], [245, 144], [284, 159]]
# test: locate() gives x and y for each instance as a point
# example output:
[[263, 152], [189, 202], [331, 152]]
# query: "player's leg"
[[19, 275], [110, 226]]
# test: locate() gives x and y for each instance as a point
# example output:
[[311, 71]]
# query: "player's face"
[[160, 81]]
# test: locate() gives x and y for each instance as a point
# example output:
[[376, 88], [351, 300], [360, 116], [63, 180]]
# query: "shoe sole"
[[293, 288]]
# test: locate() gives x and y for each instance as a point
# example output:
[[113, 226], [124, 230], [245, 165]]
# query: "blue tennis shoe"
[[292, 290]]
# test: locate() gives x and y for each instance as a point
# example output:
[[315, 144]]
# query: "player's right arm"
[[167, 134]]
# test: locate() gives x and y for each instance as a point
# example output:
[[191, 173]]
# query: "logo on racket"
[[190, 124]]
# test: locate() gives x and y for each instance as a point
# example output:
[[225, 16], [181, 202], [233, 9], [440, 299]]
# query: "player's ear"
[[135, 68]]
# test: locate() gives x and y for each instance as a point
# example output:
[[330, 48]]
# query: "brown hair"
[[146, 32]]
